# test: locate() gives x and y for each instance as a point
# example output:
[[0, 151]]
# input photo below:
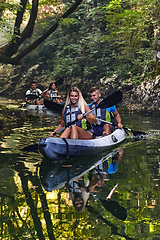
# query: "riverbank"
[[12, 116], [144, 97]]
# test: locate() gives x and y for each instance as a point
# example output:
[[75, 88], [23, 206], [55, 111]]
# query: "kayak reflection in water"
[[74, 108], [92, 181]]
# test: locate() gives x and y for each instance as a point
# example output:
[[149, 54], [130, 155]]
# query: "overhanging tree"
[[9, 53]]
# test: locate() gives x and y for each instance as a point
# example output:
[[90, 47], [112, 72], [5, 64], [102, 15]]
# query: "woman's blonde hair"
[[81, 101]]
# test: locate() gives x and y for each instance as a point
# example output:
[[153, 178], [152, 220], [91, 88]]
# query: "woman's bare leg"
[[66, 133], [79, 133]]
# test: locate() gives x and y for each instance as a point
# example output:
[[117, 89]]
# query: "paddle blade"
[[137, 133], [58, 82], [31, 148], [111, 100], [114, 208]]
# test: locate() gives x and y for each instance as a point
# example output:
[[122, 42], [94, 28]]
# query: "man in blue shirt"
[[101, 128]]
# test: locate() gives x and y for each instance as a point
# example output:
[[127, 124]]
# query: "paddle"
[[110, 205], [109, 101], [114, 229], [29, 97], [58, 82], [135, 133], [32, 97], [113, 99]]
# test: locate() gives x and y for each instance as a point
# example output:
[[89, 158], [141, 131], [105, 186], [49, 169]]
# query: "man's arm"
[[26, 99], [118, 119]]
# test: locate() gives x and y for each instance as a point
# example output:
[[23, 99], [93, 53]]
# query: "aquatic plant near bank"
[[13, 116]]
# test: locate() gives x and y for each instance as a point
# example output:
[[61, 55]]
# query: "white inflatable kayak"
[[35, 107], [62, 148]]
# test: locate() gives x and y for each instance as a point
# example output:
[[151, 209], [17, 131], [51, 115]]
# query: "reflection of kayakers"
[[103, 169], [80, 189], [33, 95], [78, 193], [52, 94], [115, 161]]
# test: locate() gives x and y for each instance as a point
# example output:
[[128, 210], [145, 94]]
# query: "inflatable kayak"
[[62, 148], [34, 107]]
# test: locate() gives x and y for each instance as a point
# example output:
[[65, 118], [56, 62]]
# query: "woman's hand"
[[80, 117], [52, 134]]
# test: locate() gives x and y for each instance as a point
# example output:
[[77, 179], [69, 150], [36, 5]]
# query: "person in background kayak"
[[52, 94], [33, 95], [101, 128], [75, 107]]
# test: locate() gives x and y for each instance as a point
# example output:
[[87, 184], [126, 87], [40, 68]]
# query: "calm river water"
[[37, 202]]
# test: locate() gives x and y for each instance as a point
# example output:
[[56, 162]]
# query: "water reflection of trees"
[[114, 228], [33, 200], [33, 215], [19, 221]]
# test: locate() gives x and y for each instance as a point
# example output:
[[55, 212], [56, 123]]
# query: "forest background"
[[112, 44]]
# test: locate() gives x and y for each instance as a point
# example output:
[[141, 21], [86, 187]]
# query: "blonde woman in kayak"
[[74, 108]]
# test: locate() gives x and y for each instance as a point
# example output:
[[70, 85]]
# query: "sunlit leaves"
[[130, 27], [8, 11], [114, 5], [67, 22], [10, 5]]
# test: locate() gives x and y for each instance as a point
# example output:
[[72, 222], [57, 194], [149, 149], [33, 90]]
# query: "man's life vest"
[[101, 114], [37, 92], [70, 115]]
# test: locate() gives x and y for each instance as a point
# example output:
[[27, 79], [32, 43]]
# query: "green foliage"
[[75, 51], [8, 12], [67, 22], [9, 6], [130, 35], [100, 39]]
